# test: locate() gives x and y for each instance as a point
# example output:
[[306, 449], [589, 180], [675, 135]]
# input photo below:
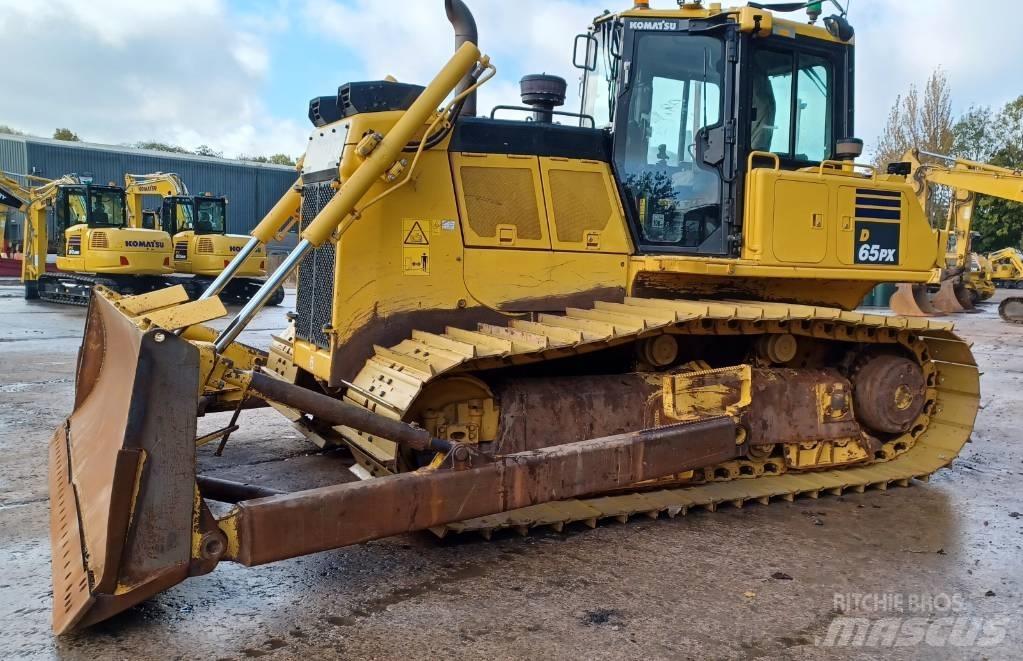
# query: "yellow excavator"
[[510, 324], [1007, 268], [965, 278], [1007, 271], [95, 245], [197, 225], [978, 279]]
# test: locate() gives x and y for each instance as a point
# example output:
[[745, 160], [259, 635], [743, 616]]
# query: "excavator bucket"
[[910, 300], [122, 466], [951, 298]]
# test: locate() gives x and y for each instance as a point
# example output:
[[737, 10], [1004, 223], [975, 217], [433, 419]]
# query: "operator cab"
[[97, 207], [202, 214], [668, 88]]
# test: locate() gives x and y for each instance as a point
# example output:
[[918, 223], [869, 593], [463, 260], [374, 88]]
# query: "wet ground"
[[934, 571]]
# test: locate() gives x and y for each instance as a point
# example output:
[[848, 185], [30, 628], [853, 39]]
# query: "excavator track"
[[394, 377], [68, 288], [76, 288], [1011, 309]]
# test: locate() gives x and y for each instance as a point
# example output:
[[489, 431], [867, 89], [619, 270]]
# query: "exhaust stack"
[[465, 31]]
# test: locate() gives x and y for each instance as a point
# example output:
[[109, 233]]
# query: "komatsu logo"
[[131, 243], [236, 248], [653, 25]]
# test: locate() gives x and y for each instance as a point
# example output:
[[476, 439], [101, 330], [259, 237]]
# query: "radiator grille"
[[501, 196], [580, 203], [315, 296], [98, 240], [205, 244]]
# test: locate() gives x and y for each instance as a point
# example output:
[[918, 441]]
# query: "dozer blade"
[[952, 298], [911, 300], [122, 470]]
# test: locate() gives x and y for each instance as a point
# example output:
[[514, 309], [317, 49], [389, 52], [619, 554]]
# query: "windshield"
[[183, 216], [209, 216], [77, 208], [675, 95], [106, 208]]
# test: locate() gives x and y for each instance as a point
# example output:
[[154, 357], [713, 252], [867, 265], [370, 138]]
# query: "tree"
[[282, 159], [66, 134], [206, 150], [918, 120], [973, 135], [9, 131], [160, 146], [276, 159]]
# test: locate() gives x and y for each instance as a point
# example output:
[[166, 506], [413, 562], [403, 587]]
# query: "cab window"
[[792, 105], [183, 214], [106, 208], [209, 216], [77, 209], [674, 97]]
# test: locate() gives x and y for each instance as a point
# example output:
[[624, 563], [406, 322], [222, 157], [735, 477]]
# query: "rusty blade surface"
[[122, 470], [949, 300], [911, 300], [286, 526]]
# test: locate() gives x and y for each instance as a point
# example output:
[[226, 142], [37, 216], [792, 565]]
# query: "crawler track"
[[392, 379]]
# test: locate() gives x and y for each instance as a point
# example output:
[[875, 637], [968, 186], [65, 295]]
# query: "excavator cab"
[[202, 214], [692, 102], [202, 245]]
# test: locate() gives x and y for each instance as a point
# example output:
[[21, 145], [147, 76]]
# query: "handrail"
[[563, 113], [841, 165], [763, 154]]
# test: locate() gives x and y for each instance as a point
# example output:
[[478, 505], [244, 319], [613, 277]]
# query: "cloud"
[[118, 71], [901, 43], [196, 71], [412, 44]]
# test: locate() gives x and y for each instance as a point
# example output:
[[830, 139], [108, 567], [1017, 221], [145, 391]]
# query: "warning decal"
[[414, 235], [415, 247]]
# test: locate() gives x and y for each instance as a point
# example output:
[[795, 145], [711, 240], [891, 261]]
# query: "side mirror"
[[589, 54], [839, 28]]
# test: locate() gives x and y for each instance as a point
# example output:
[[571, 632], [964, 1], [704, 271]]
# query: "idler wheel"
[[889, 393]]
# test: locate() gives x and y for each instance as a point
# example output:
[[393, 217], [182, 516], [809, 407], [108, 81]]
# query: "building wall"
[[251, 188]]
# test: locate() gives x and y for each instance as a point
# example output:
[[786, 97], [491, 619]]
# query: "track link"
[[392, 379], [54, 288], [1011, 309]]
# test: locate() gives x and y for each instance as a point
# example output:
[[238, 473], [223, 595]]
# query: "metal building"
[[251, 188]]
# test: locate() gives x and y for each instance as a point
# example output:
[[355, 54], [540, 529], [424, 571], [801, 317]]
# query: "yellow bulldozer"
[[645, 309], [197, 225], [95, 245]]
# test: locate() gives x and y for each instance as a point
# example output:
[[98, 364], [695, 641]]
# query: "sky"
[[237, 75]]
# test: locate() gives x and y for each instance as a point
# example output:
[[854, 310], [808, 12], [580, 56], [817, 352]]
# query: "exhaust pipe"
[[465, 30]]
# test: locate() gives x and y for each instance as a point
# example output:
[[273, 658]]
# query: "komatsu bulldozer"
[[197, 225], [514, 323], [95, 246]]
